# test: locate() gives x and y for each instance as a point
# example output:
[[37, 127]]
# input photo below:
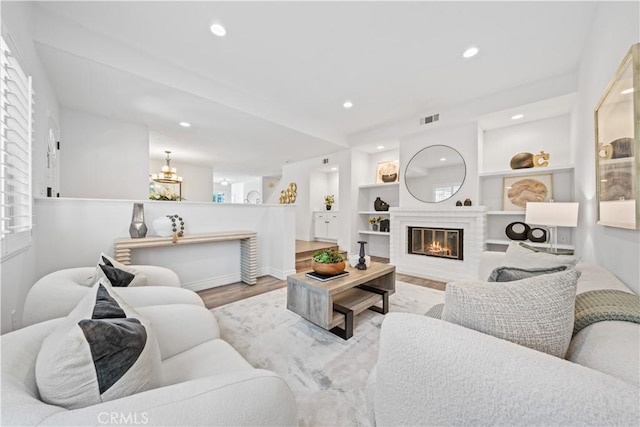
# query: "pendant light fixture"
[[167, 175]]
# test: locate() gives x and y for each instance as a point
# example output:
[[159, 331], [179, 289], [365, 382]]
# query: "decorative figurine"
[[467, 202], [361, 262], [380, 205]]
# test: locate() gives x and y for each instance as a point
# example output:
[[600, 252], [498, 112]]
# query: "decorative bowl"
[[328, 269], [390, 177]]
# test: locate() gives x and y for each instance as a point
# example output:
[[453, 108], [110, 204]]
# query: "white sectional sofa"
[[57, 293], [204, 380], [430, 372]]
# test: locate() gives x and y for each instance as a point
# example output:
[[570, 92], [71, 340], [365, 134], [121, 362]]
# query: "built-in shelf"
[[389, 184], [535, 245], [623, 160], [506, 213], [380, 233], [529, 171], [373, 212]]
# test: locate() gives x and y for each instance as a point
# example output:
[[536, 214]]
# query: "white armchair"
[[205, 381]]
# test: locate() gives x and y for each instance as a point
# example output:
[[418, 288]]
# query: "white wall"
[[102, 157], [18, 273], [197, 181], [322, 184], [615, 28], [269, 184], [548, 135], [300, 173], [90, 226]]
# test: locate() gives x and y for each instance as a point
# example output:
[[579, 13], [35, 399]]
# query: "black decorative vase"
[[380, 205], [467, 202], [138, 228], [361, 261]]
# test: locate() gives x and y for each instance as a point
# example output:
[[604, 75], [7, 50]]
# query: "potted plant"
[[328, 201], [374, 221], [328, 261]]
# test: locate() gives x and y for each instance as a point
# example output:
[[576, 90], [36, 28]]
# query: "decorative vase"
[[374, 227], [138, 228], [390, 177], [467, 202], [328, 207], [328, 269], [380, 205], [162, 227]]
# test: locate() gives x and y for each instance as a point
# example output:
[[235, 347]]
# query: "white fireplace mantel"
[[471, 219]]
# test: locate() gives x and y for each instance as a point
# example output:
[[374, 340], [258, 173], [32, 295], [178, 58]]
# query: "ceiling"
[[272, 89]]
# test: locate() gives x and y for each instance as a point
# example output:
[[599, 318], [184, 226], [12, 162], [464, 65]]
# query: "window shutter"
[[16, 131]]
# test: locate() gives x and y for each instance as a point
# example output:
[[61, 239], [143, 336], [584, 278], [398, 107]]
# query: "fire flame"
[[436, 248]]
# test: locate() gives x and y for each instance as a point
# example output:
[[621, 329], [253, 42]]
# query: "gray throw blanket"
[[605, 304]]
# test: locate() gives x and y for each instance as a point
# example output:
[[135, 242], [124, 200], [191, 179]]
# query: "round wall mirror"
[[434, 174]]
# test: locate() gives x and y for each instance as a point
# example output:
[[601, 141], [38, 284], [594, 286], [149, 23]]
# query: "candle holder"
[[361, 262]]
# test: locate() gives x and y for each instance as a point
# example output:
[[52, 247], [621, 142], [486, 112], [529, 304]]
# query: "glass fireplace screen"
[[436, 242]]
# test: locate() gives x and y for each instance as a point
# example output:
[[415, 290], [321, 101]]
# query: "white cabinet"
[[325, 225]]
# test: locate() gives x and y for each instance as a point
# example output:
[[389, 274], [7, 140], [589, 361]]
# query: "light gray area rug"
[[327, 374]]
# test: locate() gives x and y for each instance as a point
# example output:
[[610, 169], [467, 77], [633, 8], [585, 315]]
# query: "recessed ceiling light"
[[185, 124], [442, 159], [627, 91], [517, 117], [334, 169], [380, 147], [218, 30], [347, 104], [472, 51]]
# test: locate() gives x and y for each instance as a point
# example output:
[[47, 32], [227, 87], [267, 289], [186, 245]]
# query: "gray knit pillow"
[[537, 312], [509, 274]]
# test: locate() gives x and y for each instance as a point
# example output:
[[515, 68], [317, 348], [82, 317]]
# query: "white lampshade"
[[555, 214]]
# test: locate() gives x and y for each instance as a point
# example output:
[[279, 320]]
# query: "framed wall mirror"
[[617, 129], [435, 173]]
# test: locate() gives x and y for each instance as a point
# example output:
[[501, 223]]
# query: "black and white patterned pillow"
[[104, 350], [118, 274]]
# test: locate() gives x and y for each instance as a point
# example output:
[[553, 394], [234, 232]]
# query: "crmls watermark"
[[123, 418]]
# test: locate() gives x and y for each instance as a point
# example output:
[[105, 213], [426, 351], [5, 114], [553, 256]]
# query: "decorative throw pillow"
[[435, 311], [521, 255], [509, 274], [537, 312], [116, 273], [103, 351]]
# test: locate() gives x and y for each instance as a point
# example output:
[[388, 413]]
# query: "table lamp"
[[552, 215]]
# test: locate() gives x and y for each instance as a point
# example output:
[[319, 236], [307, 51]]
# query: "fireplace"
[[436, 242]]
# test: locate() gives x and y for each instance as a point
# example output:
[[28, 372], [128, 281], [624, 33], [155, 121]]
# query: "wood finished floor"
[[221, 295]]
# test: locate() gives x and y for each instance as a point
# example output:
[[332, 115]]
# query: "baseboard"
[[214, 282], [281, 275]]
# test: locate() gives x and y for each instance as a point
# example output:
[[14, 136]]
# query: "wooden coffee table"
[[335, 302]]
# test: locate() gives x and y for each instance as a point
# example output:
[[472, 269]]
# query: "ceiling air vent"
[[429, 119]]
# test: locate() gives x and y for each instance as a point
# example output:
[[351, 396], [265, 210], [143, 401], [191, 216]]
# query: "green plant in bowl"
[[328, 256], [328, 261]]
